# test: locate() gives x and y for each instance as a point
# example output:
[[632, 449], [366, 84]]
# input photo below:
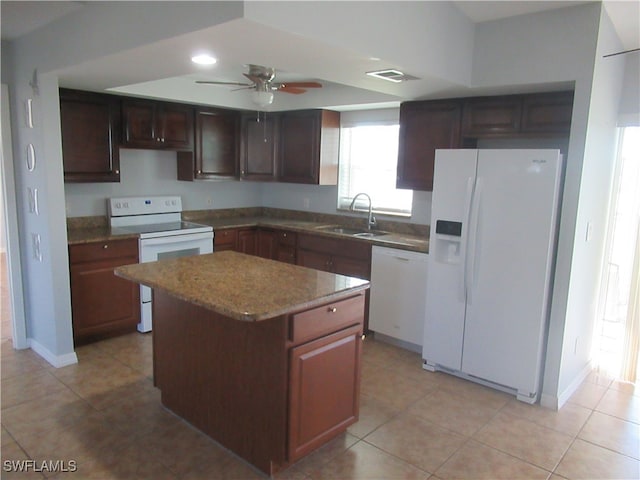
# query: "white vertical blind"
[[368, 161]]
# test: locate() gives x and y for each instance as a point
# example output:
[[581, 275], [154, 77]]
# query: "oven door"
[[171, 246]]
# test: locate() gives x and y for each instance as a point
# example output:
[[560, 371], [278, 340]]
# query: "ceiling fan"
[[263, 85]]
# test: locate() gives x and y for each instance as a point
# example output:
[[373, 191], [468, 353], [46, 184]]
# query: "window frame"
[[387, 117]]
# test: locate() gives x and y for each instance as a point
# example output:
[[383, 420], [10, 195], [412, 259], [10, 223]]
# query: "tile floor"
[[105, 415]]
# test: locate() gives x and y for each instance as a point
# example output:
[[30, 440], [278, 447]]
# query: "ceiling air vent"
[[392, 75]]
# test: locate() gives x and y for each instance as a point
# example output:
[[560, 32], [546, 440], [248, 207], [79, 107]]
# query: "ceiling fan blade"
[[224, 83], [303, 84], [289, 89]]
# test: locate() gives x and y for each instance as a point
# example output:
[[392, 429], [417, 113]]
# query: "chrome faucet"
[[371, 221]]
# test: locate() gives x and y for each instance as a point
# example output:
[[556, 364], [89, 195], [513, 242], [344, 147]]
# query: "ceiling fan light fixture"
[[262, 98], [203, 59]]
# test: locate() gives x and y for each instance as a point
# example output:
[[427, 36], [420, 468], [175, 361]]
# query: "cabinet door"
[[176, 126], [225, 240], [248, 241], [216, 152], [139, 124], [90, 127], [286, 247], [351, 267], [324, 391], [425, 127], [157, 125], [258, 153], [267, 244], [491, 116], [299, 147], [547, 113], [102, 304], [317, 260]]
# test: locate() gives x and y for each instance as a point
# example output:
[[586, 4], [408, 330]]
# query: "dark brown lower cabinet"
[[102, 304], [271, 391], [225, 240], [248, 241], [316, 412]]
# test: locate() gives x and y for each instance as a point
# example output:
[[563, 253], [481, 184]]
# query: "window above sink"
[[368, 163]]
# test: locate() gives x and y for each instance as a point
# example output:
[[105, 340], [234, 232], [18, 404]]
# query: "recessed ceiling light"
[[203, 59]]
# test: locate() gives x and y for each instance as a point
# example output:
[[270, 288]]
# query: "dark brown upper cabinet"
[[491, 115], [90, 128], [259, 146], [216, 152], [149, 124], [425, 127], [308, 147], [548, 113], [459, 122]]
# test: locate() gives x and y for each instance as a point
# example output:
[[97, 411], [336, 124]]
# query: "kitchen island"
[[262, 356]]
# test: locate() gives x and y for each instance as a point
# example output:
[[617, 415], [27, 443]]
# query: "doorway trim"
[[19, 326]]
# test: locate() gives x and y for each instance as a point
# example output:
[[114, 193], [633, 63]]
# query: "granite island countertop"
[[242, 287]]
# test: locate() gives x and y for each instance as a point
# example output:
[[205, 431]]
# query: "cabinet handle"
[[117, 172], [199, 172], [332, 309], [105, 246], [162, 140], [284, 235], [158, 139]]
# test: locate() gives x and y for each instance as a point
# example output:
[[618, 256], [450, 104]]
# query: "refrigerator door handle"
[[472, 240], [465, 239]]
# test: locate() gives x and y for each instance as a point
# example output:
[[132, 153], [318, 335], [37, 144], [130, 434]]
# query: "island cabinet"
[[102, 304], [90, 127], [151, 124], [262, 356], [308, 147], [258, 148], [216, 146]]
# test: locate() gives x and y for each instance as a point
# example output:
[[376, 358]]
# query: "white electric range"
[[162, 234]]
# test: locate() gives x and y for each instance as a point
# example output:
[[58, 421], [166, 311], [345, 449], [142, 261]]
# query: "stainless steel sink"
[[356, 232], [370, 234]]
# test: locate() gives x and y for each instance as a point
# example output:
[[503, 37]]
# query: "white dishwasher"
[[398, 291]]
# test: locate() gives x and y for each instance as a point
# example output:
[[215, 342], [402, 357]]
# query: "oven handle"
[[176, 239]]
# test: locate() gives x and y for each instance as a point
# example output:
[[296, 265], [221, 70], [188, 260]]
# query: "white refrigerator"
[[490, 268]]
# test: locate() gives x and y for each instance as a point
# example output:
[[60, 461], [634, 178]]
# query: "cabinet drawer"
[[88, 252], [286, 238], [226, 237], [319, 321]]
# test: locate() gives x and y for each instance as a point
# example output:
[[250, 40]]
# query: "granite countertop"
[[242, 287], [81, 233]]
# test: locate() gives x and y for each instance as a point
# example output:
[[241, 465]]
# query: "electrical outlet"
[[306, 202], [209, 201]]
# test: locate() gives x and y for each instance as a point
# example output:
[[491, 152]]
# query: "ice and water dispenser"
[[448, 240]]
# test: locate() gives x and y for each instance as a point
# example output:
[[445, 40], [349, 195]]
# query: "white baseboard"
[[55, 360], [556, 402]]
